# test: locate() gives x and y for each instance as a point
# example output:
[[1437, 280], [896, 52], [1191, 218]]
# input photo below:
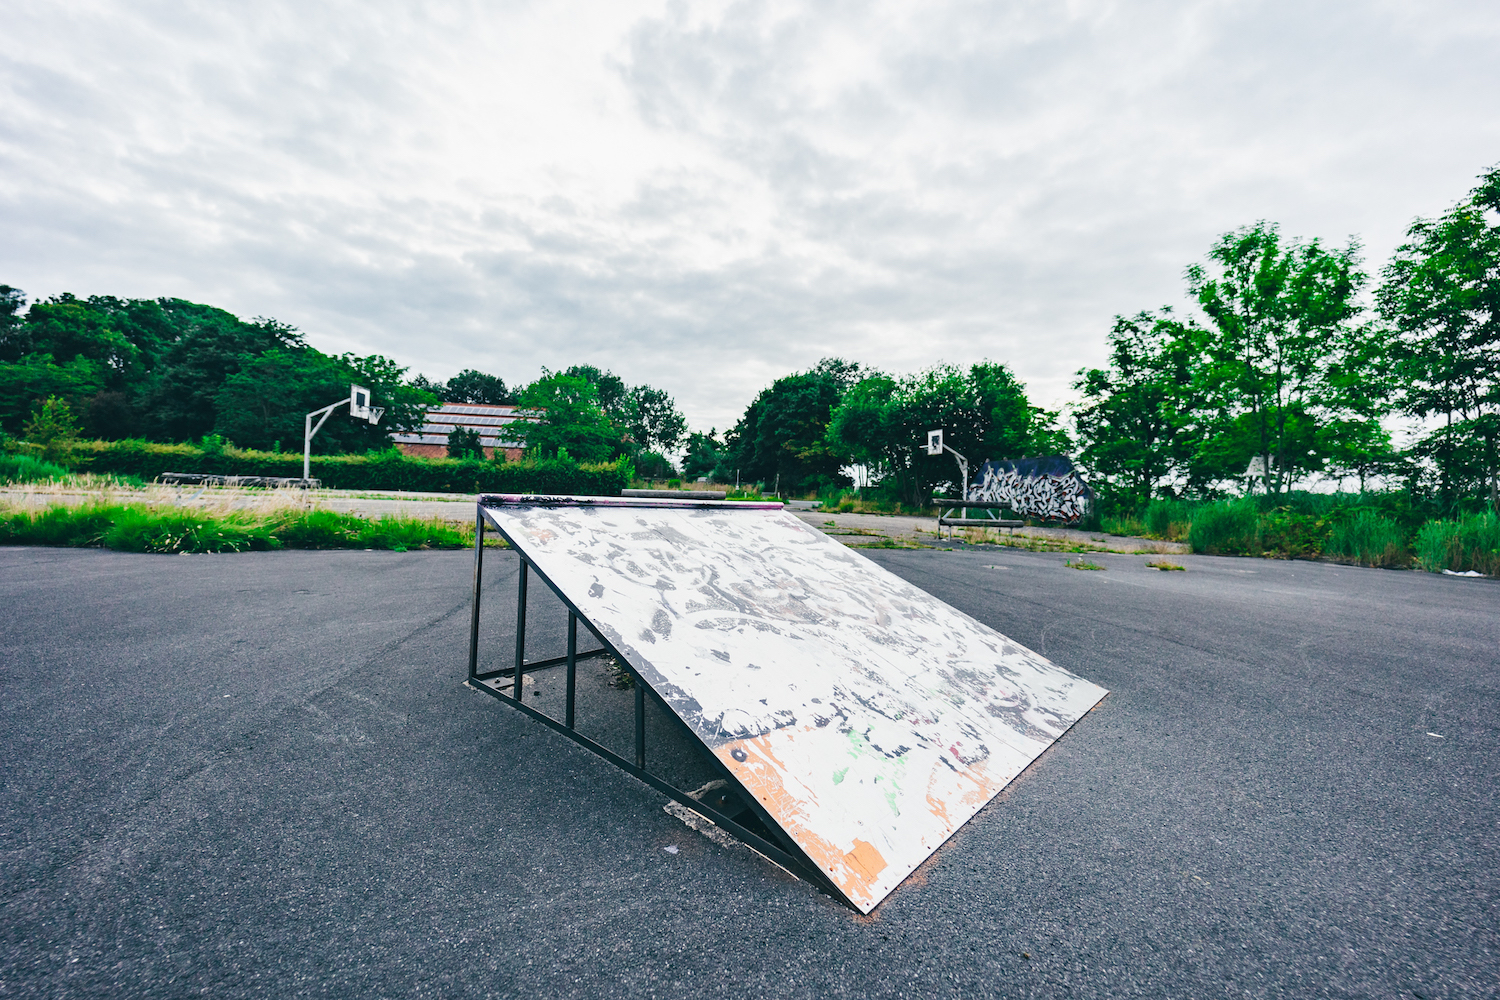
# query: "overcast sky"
[[704, 197]]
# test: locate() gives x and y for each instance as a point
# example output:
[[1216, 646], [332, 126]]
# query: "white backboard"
[[935, 442]]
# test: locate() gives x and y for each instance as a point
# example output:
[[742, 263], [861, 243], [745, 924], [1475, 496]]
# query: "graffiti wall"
[[1033, 487]]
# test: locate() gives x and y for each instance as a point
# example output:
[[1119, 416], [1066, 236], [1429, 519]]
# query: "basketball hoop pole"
[[936, 446], [310, 430], [359, 406]]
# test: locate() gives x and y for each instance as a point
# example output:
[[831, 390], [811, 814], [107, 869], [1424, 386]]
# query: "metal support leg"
[[572, 663], [640, 725], [478, 580], [520, 631]]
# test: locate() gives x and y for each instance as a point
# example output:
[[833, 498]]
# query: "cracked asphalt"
[[261, 775]]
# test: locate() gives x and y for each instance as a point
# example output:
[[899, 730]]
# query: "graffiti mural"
[[1034, 487]]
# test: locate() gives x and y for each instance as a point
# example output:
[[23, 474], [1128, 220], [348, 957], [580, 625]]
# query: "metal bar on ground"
[[640, 724], [572, 662], [478, 579], [520, 630]]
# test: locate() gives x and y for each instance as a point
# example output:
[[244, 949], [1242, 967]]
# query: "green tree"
[[654, 421], [781, 437], [882, 422], [12, 324], [704, 453], [267, 399], [464, 442], [654, 465], [610, 391], [1278, 317], [572, 420], [1135, 417], [210, 345], [53, 428], [470, 386], [35, 377], [1358, 447], [1440, 296]]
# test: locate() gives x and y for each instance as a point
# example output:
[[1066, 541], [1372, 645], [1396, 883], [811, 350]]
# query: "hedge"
[[388, 470]]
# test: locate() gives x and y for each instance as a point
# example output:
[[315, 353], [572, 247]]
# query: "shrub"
[[1370, 539], [387, 470], [1468, 543]]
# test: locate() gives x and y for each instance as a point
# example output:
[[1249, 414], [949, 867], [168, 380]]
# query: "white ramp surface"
[[869, 719]]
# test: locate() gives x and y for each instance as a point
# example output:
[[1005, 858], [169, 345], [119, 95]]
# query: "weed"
[[618, 677], [1081, 564], [1166, 566]]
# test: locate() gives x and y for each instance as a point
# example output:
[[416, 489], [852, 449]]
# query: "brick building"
[[489, 420]]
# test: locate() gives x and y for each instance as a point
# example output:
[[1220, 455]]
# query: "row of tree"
[[1285, 369], [171, 370], [810, 430]]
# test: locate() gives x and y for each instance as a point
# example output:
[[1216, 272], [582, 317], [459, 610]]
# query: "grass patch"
[[1081, 564], [1167, 567], [144, 528]]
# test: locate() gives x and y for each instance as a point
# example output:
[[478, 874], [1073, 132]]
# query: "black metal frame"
[[786, 854]]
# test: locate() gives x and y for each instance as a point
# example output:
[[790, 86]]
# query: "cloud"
[[707, 196]]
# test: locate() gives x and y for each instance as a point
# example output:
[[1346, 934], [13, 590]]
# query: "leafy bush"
[[1368, 538], [1467, 543]]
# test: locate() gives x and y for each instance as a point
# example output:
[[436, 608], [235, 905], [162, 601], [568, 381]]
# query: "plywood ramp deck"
[[868, 719]]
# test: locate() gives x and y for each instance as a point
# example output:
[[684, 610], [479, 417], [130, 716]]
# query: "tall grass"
[[29, 469], [1227, 527], [1370, 539], [1471, 542], [143, 528], [1168, 519]]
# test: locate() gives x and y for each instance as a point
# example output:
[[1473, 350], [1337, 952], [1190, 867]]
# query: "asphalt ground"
[[261, 774]]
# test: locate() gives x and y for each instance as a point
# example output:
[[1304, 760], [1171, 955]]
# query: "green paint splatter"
[[838, 776]]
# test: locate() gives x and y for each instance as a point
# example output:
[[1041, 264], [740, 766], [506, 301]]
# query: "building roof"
[[488, 419]]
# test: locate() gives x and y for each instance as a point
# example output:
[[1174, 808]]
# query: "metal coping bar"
[[790, 857], [559, 500]]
